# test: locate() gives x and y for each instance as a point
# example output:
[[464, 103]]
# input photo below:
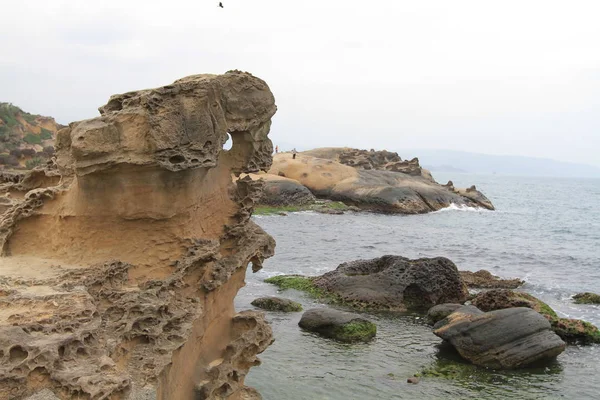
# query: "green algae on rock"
[[339, 325], [277, 304], [324, 207], [587, 298], [575, 330]]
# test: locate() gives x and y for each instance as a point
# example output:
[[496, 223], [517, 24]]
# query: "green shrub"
[[45, 134], [31, 138], [34, 162], [30, 118]]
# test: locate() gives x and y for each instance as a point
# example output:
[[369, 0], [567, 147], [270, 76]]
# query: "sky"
[[511, 77]]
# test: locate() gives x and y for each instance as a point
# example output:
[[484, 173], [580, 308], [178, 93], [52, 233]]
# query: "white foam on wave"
[[462, 207]]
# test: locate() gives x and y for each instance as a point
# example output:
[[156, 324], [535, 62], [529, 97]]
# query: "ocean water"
[[546, 231]]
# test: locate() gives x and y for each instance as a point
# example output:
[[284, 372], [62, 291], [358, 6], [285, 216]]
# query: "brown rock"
[[413, 379], [483, 279], [135, 241]]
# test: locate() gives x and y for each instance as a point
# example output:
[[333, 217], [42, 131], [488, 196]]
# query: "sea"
[[544, 230]]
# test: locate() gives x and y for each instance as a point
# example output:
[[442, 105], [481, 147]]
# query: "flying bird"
[[221, 4]]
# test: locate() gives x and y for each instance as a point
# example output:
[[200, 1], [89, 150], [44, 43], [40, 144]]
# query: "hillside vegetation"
[[26, 140]]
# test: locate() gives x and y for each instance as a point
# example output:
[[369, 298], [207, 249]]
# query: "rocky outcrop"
[[503, 339], [381, 160], [395, 283], [279, 191], [338, 325], [483, 279], [277, 304], [372, 189], [122, 260]]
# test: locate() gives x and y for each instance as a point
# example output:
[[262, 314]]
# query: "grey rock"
[[396, 283], [339, 325], [502, 339], [285, 192], [441, 311], [276, 304]]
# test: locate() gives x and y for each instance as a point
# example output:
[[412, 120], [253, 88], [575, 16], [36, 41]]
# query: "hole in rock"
[[178, 159], [224, 390], [17, 354], [228, 143], [416, 298]]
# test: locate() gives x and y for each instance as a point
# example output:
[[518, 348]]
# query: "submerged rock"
[[338, 325], [395, 283], [587, 298], [371, 186], [575, 330], [133, 242], [483, 279], [441, 311], [276, 304], [502, 339]]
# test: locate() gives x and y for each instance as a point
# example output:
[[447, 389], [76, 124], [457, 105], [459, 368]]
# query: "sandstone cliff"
[[121, 260]]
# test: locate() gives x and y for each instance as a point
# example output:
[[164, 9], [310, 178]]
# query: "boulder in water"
[[395, 283], [338, 325], [587, 298], [502, 339], [276, 304], [571, 330]]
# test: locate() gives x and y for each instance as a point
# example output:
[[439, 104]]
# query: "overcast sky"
[[504, 77]]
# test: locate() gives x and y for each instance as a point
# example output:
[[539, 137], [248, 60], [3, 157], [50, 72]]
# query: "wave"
[[461, 207]]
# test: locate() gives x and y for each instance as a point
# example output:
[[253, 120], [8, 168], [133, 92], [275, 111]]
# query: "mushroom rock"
[[122, 259]]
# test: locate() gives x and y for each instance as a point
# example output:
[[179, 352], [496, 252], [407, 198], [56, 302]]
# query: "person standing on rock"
[[276, 149], [294, 153]]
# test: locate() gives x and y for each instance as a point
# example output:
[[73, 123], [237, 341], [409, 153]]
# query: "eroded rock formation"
[[122, 259], [371, 186], [382, 160]]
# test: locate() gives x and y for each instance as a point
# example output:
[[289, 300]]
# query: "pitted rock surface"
[[396, 283], [121, 260]]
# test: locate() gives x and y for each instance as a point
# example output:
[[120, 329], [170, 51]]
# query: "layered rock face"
[[388, 190], [509, 338], [122, 259], [396, 283]]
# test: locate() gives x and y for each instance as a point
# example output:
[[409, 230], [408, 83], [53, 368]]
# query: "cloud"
[[512, 77]]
